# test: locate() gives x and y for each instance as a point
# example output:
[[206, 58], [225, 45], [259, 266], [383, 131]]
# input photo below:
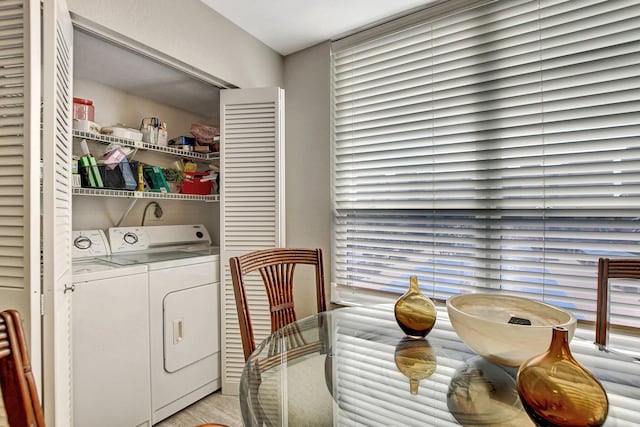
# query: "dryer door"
[[191, 326]]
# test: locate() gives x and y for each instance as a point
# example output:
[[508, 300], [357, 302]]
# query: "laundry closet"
[[166, 296], [156, 227], [185, 238]]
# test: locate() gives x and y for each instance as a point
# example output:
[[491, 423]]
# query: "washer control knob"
[[82, 242], [199, 234], [130, 238]]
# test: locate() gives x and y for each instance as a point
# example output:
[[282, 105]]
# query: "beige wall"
[[191, 32], [307, 168], [115, 106]]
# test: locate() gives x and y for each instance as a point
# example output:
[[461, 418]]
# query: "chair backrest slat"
[[18, 385], [276, 267], [622, 268]]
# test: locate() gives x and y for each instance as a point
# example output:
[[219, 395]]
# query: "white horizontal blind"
[[496, 147]]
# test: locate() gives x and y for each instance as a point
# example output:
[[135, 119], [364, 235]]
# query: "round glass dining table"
[[355, 367]]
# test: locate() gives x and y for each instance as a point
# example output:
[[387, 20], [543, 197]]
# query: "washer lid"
[[166, 259], [96, 269]]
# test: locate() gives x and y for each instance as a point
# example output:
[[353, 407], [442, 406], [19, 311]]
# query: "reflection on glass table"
[[353, 366]]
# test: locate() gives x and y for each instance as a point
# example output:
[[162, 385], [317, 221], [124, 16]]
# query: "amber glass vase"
[[416, 360], [415, 313], [557, 391]]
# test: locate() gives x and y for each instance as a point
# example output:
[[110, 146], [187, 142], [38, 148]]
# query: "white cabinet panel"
[[111, 352]]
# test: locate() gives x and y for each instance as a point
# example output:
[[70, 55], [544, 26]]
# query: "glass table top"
[[354, 366]]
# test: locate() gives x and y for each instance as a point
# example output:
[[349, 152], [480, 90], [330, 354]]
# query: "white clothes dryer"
[[110, 337], [184, 309]]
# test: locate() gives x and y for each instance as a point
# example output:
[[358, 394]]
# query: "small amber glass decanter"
[[556, 391], [414, 312]]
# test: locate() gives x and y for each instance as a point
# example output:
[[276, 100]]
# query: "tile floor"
[[215, 408]]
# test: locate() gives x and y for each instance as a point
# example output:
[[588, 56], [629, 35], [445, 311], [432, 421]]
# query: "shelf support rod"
[[133, 153], [124, 215]]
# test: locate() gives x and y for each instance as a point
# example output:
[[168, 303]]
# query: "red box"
[[192, 183]]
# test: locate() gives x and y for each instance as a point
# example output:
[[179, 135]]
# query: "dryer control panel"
[[130, 239]]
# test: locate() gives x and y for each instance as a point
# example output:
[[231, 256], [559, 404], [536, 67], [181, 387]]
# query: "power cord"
[[157, 212]]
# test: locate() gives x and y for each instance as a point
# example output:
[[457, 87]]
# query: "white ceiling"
[[98, 60], [291, 25], [284, 25]]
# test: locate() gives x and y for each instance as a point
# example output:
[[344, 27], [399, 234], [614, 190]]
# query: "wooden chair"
[[611, 269], [277, 267], [16, 378]]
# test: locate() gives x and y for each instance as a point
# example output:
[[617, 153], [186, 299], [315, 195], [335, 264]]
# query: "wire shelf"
[[125, 142], [81, 191]]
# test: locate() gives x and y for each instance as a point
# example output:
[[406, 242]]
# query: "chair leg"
[[602, 308]]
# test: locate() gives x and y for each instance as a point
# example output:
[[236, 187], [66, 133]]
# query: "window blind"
[[493, 147]]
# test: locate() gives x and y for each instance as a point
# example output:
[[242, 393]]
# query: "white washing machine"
[[184, 309], [110, 337]]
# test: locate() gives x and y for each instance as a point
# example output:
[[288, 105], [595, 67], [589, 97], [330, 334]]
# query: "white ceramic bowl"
[[481, 320]]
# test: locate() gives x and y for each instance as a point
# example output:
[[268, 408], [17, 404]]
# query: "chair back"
[[18, 385], [277, 268], [623, 268]]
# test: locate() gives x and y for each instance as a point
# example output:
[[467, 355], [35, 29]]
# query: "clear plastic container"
[[83, 109]]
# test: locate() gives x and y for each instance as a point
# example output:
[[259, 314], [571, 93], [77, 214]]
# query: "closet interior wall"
[[118, 95]]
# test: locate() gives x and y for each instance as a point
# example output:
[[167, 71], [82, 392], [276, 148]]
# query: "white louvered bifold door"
[[252, 206], [57, 94], [19, 168]]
